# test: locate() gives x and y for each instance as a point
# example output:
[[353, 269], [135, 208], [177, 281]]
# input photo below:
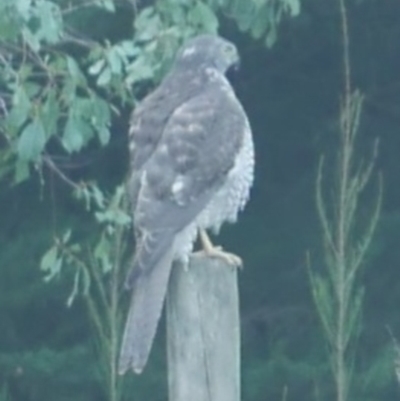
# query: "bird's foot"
[[213, 251], [217, 252]]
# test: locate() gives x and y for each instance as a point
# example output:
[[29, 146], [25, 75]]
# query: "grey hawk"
[[192, 163]]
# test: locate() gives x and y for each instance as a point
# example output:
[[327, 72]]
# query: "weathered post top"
[[203, 332]]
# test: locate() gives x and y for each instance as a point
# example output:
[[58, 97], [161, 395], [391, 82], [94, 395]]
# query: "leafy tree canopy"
[[67, 67]]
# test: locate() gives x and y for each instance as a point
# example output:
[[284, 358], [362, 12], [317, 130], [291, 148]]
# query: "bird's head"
[[205, 51]]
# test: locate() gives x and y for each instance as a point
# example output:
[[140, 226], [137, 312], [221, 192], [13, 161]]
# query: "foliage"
[[47, 72], [98, 274], [31, 370], [46, 97], [261, 18], [336, 292]]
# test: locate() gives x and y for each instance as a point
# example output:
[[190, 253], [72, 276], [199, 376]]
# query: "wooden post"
[[203, 332]]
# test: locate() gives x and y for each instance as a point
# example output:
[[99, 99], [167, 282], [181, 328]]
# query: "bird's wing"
[[196, 152], [148, 122]]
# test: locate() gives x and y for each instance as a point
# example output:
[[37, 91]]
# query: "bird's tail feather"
[[149, 290]]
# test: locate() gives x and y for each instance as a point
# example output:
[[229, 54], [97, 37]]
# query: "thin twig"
[[346, 52], [53, 167], [77, 7], [73, 37]]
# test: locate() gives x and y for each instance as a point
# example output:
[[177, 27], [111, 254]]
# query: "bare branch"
[[53, 167]]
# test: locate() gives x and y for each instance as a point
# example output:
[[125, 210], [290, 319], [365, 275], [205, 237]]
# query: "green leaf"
[[177, 13], [107, 5], [76, 134], [127, 48], [50, 21], [32, 141], [54, 271], [139, 70], [98, 196], [102, 253], [95, 68], [49, 113], [68, 91], [114, 60], [21, 108], [23, 7], [115, 216], [51, 263], [6, 162], [32, 40], [66, 236], [104, 135], [293, 7], [147, 24], [203, 16], [82, 108], [32, 89], [21, 171], [75, 71], [260, 24], [121, 218], [80, 111], [72, 139], [245, 13], [49, 259], [105, 77], [100, 115], [10, 22]]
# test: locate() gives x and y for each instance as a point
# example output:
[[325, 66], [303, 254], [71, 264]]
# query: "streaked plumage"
[[192, 163]]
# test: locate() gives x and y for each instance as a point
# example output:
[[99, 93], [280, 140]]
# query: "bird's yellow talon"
[[217, 251]]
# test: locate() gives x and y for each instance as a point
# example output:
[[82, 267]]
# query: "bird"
[[191, 170]]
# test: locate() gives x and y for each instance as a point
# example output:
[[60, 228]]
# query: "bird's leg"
[[213, 251]]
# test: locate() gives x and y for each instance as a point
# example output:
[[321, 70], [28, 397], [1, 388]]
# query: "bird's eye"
[[231, 55]]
